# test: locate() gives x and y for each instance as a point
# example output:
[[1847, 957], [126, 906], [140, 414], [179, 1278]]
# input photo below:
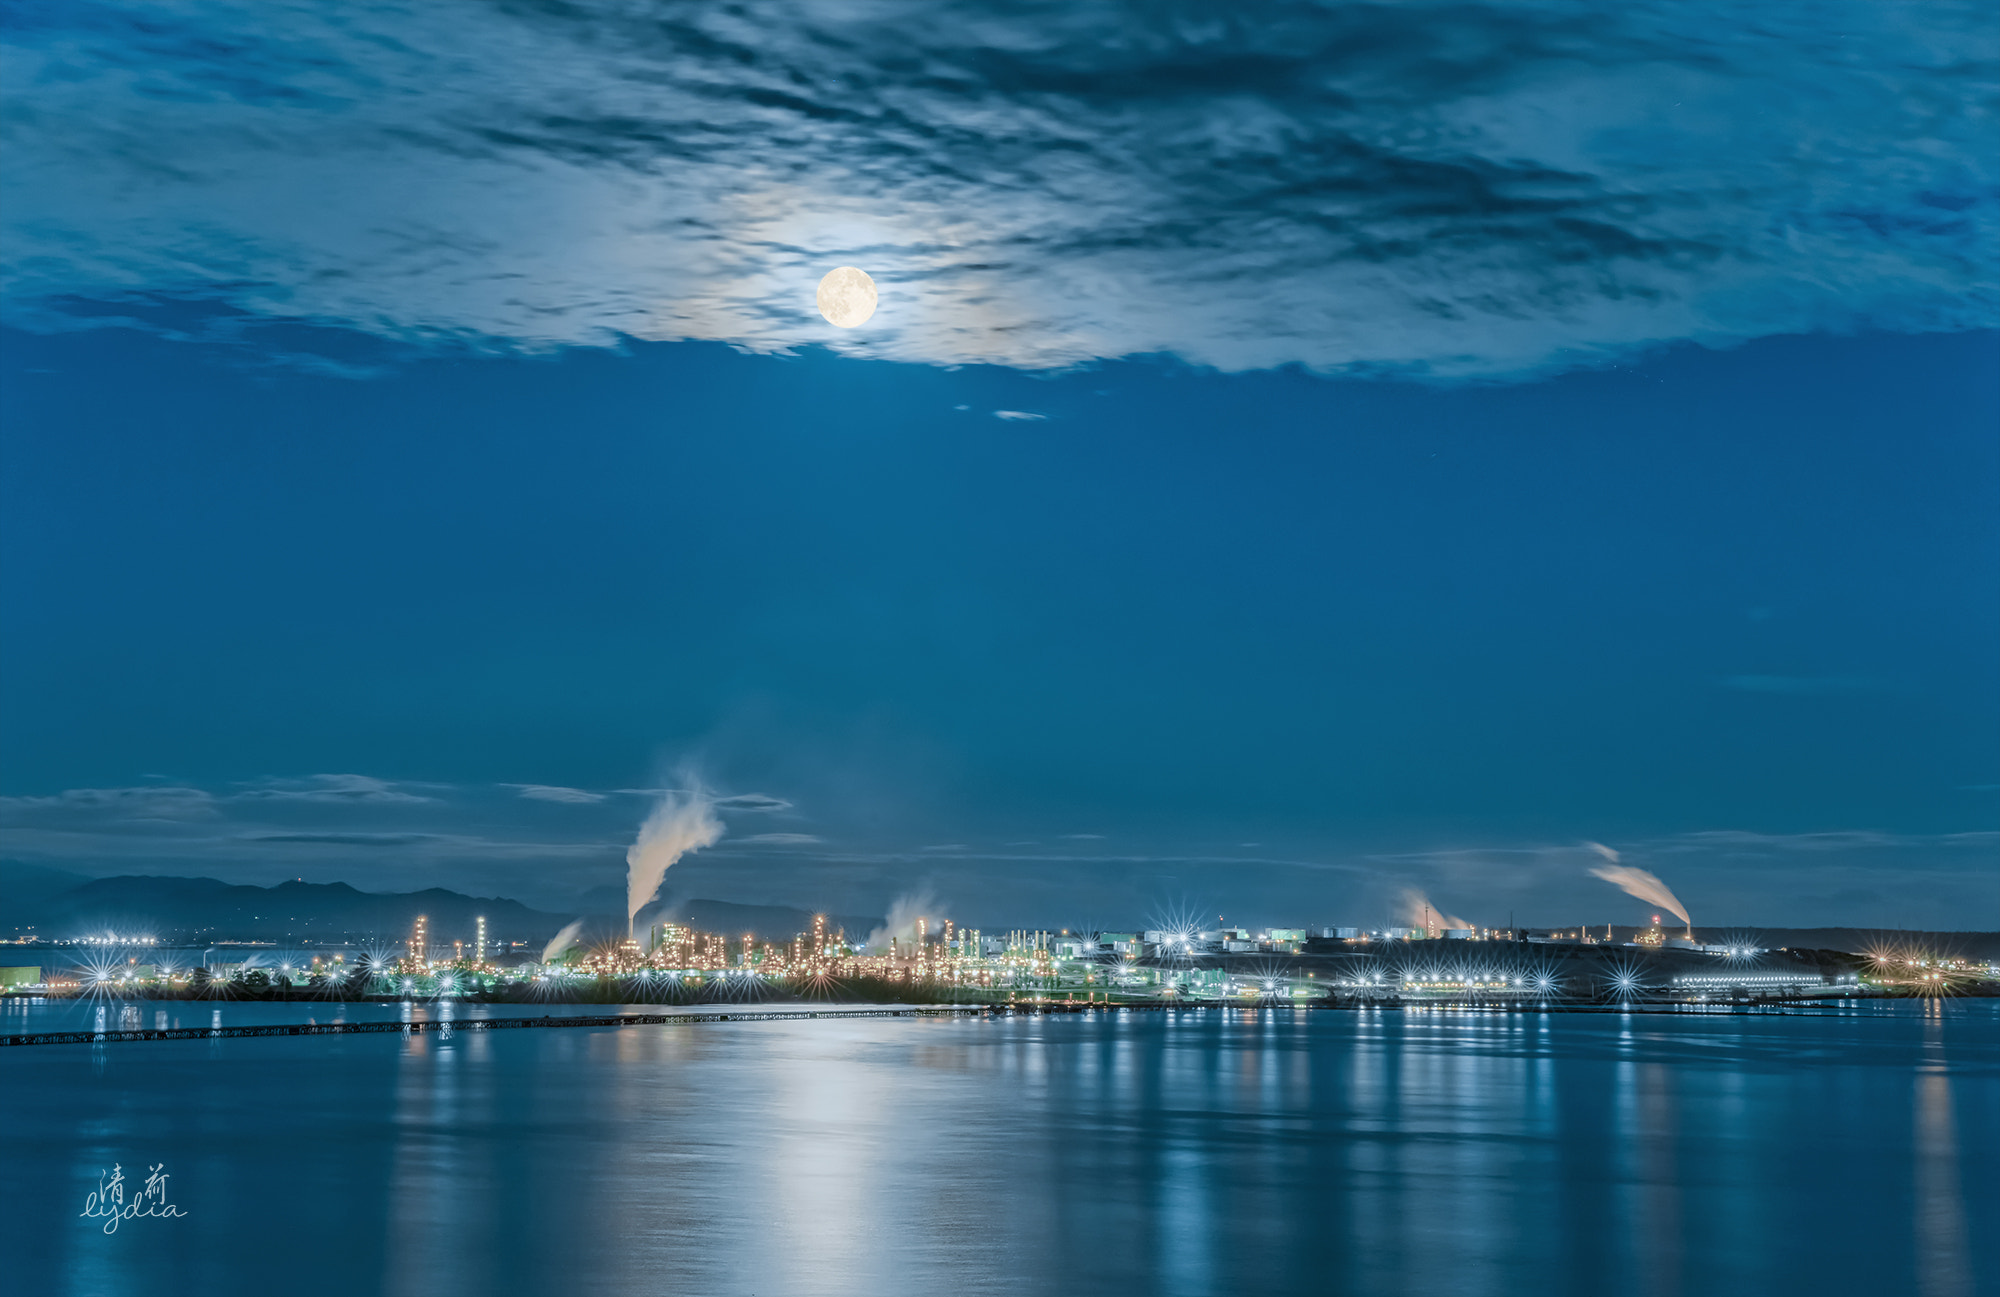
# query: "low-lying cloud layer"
[[1449, 190], [491, 840], [371, 832]]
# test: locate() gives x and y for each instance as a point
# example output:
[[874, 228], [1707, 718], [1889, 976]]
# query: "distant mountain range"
[[51, 903]]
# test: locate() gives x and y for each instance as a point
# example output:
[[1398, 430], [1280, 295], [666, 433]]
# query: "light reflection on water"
[[1196, 1153], [1943, 1266]]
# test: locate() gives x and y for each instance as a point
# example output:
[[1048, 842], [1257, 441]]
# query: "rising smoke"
[[1418, 912], [1637, 882], [563, 941], [681, 822], [901, 924]]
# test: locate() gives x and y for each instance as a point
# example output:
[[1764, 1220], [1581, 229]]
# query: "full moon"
[[846, 297]]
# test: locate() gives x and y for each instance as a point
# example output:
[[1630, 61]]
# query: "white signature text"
[[108, 1199]]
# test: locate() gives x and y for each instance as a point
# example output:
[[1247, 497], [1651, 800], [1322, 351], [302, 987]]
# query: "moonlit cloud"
[[1446, 190]]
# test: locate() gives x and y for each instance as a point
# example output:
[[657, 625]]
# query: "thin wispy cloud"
[[344, 839], [1515, 857], [1828, 841], [334, 790], [1019, 416], [752, 802], [1453, 190], [556, 793], [141, 803], [349, 822], [963, 853], [194, 848], [781, 839]]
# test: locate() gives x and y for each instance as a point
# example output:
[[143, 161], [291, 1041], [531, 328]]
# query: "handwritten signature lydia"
[[108, 1199]]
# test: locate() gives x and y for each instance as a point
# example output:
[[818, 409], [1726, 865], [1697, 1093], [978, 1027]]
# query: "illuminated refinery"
[[1326, 967]]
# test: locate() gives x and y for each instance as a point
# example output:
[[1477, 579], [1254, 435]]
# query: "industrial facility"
[[1324, 966]]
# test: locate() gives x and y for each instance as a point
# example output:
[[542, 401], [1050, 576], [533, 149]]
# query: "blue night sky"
[[1294, 462]]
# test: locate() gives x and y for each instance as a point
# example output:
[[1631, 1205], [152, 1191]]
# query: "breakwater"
[[448, 1027]]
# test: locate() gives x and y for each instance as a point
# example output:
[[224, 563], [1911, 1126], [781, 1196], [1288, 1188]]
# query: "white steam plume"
[[1418, 912], [681, 822], [904, 912], [1637, 882], [563, 941]]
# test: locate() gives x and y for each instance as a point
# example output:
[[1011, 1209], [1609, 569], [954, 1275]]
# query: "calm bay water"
[[1200, 1152]]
